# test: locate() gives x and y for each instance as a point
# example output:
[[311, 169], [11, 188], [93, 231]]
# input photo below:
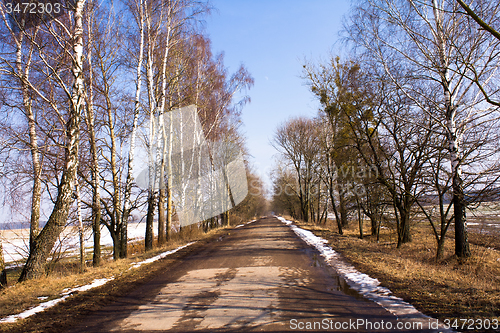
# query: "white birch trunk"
[[23, 77], [127, 204], [96, 195], [461, 241], [161, 148], [152, 129], [34, 266]]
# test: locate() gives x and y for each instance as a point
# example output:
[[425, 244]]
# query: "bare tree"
[[55, 224], [330, 172], [491, 14], [285, 199], [137, 8], [324, 81], [3, 272], [90, 122], [21, 73], [388, 150], [431, 42], [297, 141]]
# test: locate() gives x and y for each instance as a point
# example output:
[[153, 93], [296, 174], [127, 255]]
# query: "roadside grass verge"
[[18, 297], [448, 289]]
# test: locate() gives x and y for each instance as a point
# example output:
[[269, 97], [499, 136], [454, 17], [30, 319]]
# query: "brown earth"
[[256, 278], [260, 277]]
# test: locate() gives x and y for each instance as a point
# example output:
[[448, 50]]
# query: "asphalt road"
[[260, 277]]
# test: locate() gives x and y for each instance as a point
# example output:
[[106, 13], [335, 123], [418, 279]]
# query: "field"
[[15, 241]]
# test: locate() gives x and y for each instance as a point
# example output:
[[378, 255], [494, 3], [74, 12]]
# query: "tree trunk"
[[168, 226], [331, 189], [360, 220], [117, 212], [343, 210], [462, 249], [461, 240], [148, 239], [335, 211], [115, 235], [440, 249], [404, 228], [127, 204], [80, 226], [23, 75], [45, 241], [374, 223], [96, 196], [3, 273], [161, 217]]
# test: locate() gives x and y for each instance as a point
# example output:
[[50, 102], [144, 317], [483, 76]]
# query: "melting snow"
[[41, 307], [68, 292], [362, 283], [160, 256]]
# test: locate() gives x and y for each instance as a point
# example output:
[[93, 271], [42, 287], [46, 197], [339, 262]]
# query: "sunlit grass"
[[449, 288]]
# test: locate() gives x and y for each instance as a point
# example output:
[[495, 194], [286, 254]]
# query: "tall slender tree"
[[45, 241]]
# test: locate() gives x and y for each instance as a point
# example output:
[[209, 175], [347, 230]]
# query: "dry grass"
[[18, 297], [450, 288]]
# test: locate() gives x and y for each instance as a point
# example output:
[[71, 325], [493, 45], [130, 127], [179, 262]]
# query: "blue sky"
[[272, 39]]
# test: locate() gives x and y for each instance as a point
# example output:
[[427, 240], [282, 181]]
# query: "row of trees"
[[75, 91], [408, 124]]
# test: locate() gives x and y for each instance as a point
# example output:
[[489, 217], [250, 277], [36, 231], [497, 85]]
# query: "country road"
[[260, 277]]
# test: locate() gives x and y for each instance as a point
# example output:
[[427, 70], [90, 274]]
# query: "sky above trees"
[[273, 39]]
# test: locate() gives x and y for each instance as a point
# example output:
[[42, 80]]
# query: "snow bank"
[[244, 224], [160, 256], [362, 283], [65, 294]]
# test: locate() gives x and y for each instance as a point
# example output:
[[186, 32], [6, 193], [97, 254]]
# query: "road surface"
[[260, 277]]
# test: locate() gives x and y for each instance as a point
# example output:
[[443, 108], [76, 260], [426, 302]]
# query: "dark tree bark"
[[3, 272], [148, 239], [462, 249], [161, 217]]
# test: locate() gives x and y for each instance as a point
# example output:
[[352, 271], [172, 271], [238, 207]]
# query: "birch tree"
[[486, 16], [137, 9], [46, 239], [432, 43], [91, 126], [20, 72]]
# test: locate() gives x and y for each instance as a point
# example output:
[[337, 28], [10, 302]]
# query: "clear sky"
[[272, 38]]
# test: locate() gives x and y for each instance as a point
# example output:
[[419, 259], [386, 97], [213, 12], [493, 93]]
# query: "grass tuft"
[[446, 289]]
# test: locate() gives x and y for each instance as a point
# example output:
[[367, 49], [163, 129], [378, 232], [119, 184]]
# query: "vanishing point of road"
[[259, 277]]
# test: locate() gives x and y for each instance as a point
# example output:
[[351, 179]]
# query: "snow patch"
[[362, 283], [244, 224], [160, 256], [41, 307], [70, 291]]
